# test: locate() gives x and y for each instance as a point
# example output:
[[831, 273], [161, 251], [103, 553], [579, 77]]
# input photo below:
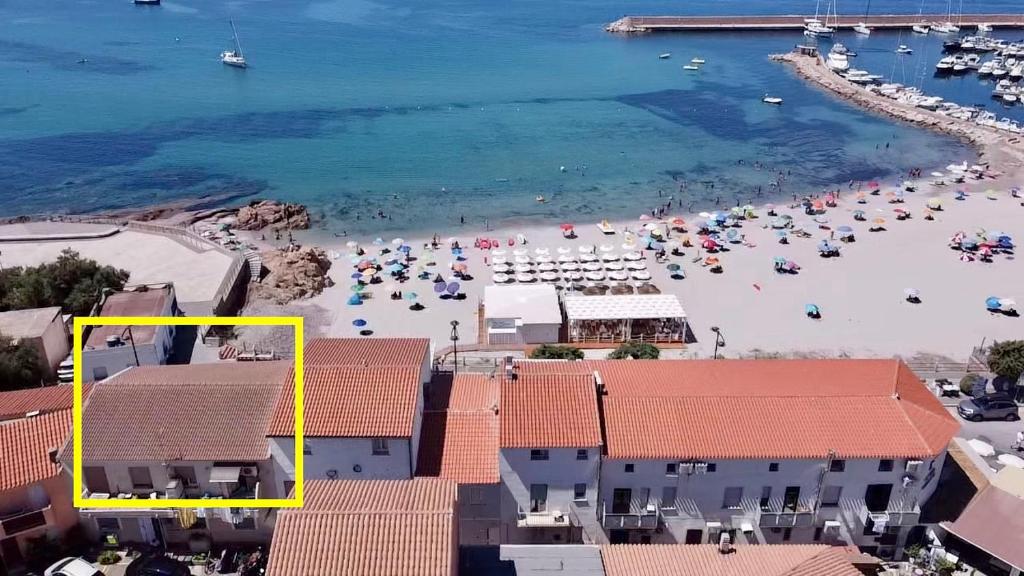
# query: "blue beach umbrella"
[[657, 246], [378, 241], [453, 288], [356, 276], [359, 322], [781, 233], [411, 296], [812, 309], [673, 267], [732, 235], [405, 248], [825, 246], [440, 287], [992, 303], [354, 300]]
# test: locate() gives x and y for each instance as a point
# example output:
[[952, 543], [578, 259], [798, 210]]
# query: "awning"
[[225, 474]]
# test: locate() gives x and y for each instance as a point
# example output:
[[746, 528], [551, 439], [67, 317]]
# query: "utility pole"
[[128, 330], [719, 340], [455, 344]]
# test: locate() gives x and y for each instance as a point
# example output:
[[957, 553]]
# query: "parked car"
[[66, 370], [157, 565], [997, 406], [72, 567]]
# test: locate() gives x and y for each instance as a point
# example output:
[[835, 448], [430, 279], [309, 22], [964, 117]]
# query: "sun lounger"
[[605, 227]]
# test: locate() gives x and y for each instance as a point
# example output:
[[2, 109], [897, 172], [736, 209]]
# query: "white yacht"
[[1017, 72], [816, 28], [697, 61], [921, 28], [986, 69], [904, 49], [234, 57], [837, 62], [946, 28], [982, 28], [771, 100], [945, 65], [665, 56], [862, 29]]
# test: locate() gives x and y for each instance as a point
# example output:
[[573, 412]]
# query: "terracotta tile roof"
[[353, 402], [464, 392], [190, 412], [459, 446], [549, 411], [366, 352], [701, 560], [994, 522], [25, 445], [17, 403], [763, 408], [364, 527]]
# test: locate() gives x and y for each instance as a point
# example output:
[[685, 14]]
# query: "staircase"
[[255, 265]]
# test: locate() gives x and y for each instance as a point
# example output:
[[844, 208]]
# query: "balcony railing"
[[799, 518], [638, 517], [24, 521], [895, 516], [545, 519]]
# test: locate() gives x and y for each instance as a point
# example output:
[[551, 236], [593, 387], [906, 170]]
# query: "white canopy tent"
[[522, 314], [616, 318]]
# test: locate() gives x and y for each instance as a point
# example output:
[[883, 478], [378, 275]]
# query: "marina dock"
[[639, 24]]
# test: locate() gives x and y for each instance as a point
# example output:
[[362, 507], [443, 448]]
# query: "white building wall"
[[337, 458], [121, 357], [479, 514], [55, 347], [561, 472], [701, 496], [119, 478], [540, 333]]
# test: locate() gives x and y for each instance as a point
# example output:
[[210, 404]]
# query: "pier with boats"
[[641, 24]]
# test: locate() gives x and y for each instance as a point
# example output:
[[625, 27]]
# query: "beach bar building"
[[619, 318], [523, 314]]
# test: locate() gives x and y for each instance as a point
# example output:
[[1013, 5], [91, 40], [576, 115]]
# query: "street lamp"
[[719, 339], [455, 343]]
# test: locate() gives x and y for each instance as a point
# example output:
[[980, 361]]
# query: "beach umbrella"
[[711, 261], [677, 221], [781, 233], [791, 266], [352, 244], [818, 205], [357, 287], [460, 267], [566, 227], [969, 244], [778, 261], [405, 248], [873, 185], [826, 246], [858, 214], [779, 223], [542, 251], [878, 221], [645, 217], [440, 287], [911, 293], [607, 248], [378, 241], [397, 242], [844, 231], [991, 194], [356, 275], [1007, 304], [992, 303], [709, 244], [369, 274], [820, 219], [812, 310], [733, 235], [359, 322], [564, 250], [704, 215], [673, 267], [453, 288], [354, 300]]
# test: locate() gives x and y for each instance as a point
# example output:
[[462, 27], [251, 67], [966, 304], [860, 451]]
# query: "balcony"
[[545, 519], [638, 517], [174, 491], [25, 520], [800, 518], [895, 515]]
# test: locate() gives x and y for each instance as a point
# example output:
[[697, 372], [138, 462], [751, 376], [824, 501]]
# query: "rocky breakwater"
[[279, 215], [295, 272], [624, 26]]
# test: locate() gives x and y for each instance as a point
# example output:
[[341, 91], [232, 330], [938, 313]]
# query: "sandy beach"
[[759, 311]]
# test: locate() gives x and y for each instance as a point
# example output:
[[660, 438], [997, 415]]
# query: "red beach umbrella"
[[567, 227], [873, 185]]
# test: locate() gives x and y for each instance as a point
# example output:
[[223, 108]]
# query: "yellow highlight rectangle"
[[80, 323]]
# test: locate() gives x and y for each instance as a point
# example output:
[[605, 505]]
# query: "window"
[[766, 498], [99, 373], [830, 496], [629, 468], [538, 454], [787, 534], [712, 467], [476, 495], [885, 465], [579, 492], [380, 447], [306, 449], [187, 475], [108, 524], [773, 467], [538, 497], [582, 455], [837, 466], [141, 480], [668, 497], [732, 497], [671, 469]]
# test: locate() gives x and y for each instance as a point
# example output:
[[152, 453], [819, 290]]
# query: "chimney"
[[510, 368], [52, 455], [725, 543]]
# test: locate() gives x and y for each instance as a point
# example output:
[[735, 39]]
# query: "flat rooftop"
[[139, 302], [30, 323]]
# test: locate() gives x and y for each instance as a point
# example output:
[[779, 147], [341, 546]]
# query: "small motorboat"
[[541, 199], [697, 61], [691, 67], [904, 49], [665, 56], [771, 100], [1011, 98], [921, 28], [862, 29], [984, 28]]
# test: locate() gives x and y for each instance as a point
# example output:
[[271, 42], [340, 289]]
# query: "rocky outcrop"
[[294, 273], [624, 26], [280, 215]]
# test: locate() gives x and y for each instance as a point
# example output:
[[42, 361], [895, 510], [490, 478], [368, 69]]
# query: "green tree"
[[71, 282], [969, 381], [1006, 359], [636, 351], [19, 366], [556, 352]]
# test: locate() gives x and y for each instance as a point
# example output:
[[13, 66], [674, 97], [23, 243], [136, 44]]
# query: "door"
[[10, 553], [791, 498], [149, 528], [96, 479], [694, 536], [876, 497], [620, 500], [538, 497]]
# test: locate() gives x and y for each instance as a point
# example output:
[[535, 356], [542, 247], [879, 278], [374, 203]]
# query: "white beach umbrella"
[[520, 252], [541, 251], [704, 215], [352, 244], [566, 258], [547, 267], [637, 265], [570, 266], [397, 242], [610, 257], [592, 267], [564, 250], [523, 268], [524, 277], [613, 266], [549, 276], [573, 275], [618, 275], [632, 256], [641, 275], [586, 249], [498, 261], [629, 246], [607, 248], [588, 257], [1011, 460], [544, 258], [594, 276], [500, 278], [522, 259], [498, 252]]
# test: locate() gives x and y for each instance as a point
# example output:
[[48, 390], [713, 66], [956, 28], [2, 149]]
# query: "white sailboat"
[[233, 57], [814, 27], [923, 27], [861, 27]]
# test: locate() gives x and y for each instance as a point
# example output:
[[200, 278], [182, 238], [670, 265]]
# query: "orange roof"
[[549, 411], [361, 527], [25, 445], [464, 392], [187, 412], [351, 402], [460, 446], [764, 408], [700, 560], [366, 352], [17, 403]]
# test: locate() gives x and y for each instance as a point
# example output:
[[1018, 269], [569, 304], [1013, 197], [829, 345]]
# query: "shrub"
[[19, 365], [969, 382], [1006, 359], [108, 557], [71, 282], [636, 351], [556, 352]]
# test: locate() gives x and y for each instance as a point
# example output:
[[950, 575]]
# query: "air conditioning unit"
[[250, 471], [908, 479], [832, 527], [913, 466], [700, 468]]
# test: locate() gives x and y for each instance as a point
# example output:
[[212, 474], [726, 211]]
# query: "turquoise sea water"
[[430, 111]]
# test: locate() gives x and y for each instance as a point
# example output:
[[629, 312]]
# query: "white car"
[[72, 567]]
